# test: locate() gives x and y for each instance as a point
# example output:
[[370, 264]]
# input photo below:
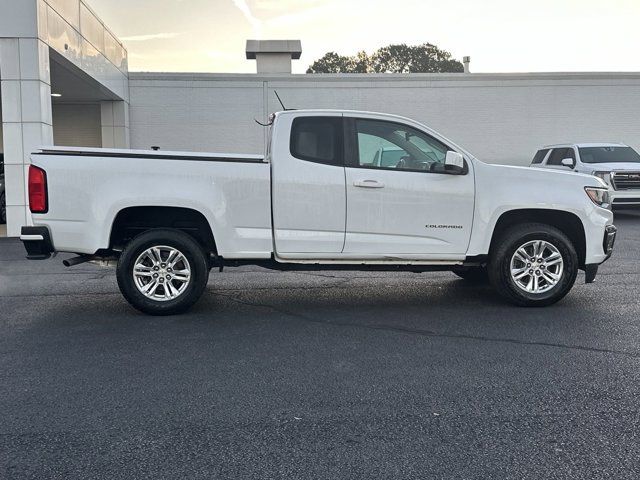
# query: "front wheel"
[[533, 265], [162, 272]]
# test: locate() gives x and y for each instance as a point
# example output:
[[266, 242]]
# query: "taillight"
[[37, 190]]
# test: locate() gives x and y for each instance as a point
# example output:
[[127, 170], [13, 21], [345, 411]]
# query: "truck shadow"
[[446, 303], [399, 301], [449, 309]]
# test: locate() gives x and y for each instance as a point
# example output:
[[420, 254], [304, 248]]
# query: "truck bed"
[[151, 154], [89, 187]]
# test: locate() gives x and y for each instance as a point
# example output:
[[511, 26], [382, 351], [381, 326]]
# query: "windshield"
[[609, 155]]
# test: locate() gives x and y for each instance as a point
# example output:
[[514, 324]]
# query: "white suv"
[[615, 163]]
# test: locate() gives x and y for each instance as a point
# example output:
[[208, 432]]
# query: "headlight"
[[599, 196], [605, 176]]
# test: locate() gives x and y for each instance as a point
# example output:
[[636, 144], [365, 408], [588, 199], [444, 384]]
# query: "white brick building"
[[501, 118], [61, 47]]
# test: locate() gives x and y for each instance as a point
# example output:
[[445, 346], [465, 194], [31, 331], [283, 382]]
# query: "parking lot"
[[319, 375]]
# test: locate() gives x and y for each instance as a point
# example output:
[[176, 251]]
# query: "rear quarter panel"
[[86, 194]]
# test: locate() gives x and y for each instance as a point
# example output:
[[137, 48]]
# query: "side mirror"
[[454, 163], [568, 162]]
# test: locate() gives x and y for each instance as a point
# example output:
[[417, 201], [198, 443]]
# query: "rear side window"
[[540, 156], [317, 139]]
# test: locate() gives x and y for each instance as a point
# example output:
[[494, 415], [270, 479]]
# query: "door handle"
[[368, 184]]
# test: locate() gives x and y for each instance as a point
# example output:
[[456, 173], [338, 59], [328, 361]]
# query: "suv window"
[[390, 145], [560, 154], [317, 139], [539, 157], [609, 155]]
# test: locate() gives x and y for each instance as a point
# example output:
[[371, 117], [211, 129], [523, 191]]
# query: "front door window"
[[394, 146]]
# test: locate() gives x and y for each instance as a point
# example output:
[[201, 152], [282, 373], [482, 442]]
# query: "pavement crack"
[[339, 277], [430, 333]]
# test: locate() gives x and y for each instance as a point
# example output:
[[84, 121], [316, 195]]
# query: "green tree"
[[332, 63], [402, 58]]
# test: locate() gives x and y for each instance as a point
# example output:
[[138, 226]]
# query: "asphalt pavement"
[[319, 375]]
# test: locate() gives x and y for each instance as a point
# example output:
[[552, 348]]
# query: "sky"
[[499, 35]]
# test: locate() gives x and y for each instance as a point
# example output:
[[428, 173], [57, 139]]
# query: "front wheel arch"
[[567, 222]]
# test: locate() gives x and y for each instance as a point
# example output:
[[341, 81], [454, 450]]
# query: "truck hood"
[[550, 176], [609, 167], [501, 188]]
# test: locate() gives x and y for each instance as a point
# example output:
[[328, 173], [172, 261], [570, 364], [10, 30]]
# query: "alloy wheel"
[[161, 273], [536, 266]]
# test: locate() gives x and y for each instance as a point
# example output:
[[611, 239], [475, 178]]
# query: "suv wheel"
[[162, 272], [533, 265]]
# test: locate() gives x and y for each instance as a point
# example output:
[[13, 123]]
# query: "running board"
[[273, 264]]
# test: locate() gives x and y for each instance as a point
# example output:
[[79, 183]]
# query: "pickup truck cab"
[[615, 163], [318, 200]]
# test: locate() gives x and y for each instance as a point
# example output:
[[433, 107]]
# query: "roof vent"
[[273, 56], [466, 61]]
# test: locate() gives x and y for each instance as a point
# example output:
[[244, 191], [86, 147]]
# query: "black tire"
[[3, 209], [472, 274], [169, 238], [499, 267]]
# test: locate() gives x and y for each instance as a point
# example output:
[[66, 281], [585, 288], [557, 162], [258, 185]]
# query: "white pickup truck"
[[318, 200]]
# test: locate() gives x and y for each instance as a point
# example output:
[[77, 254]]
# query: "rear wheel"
[[533, 265], [162, 272]]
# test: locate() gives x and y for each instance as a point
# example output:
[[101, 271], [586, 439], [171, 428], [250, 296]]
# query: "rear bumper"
[[37, 242]]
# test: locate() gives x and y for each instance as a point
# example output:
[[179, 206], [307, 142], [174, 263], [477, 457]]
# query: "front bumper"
[[609, 240], [621, 199], [37, 242]]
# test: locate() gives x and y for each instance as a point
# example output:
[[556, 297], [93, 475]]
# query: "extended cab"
[[321, 198]]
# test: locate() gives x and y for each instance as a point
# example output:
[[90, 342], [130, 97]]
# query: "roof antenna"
[[278, 96], [271, 116], [280, 100]]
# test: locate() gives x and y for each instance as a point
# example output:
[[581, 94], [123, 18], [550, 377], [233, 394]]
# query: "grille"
[[625, 180]]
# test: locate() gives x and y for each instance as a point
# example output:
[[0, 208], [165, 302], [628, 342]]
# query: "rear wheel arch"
[[132, 221], [567, 222]]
